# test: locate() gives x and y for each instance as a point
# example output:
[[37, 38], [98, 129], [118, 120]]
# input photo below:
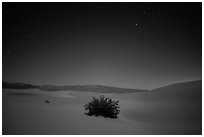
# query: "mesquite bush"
[[105, 107]]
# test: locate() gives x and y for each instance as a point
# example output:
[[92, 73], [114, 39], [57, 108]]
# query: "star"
[[136, 24]]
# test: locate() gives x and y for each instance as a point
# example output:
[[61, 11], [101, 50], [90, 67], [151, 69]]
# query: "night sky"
[[132, 45]]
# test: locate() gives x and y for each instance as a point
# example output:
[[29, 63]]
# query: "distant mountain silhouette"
[[18, 85], [182, 86], [90, 88]]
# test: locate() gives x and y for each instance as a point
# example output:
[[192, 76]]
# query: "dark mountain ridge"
[[101, 88], [18, 85], [90, 88]]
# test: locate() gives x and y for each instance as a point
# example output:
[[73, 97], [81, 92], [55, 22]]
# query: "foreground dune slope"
[[174, 109]]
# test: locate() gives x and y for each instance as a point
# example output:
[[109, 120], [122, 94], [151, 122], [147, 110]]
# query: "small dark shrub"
[[105, 107], [46, 101]]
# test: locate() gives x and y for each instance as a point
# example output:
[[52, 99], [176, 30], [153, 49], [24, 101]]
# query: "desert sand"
[[174, 109]]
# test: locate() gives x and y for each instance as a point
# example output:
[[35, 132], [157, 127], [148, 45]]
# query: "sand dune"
[[174, 109]]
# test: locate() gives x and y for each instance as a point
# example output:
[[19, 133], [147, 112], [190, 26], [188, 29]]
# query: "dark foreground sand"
[[175, 109]]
